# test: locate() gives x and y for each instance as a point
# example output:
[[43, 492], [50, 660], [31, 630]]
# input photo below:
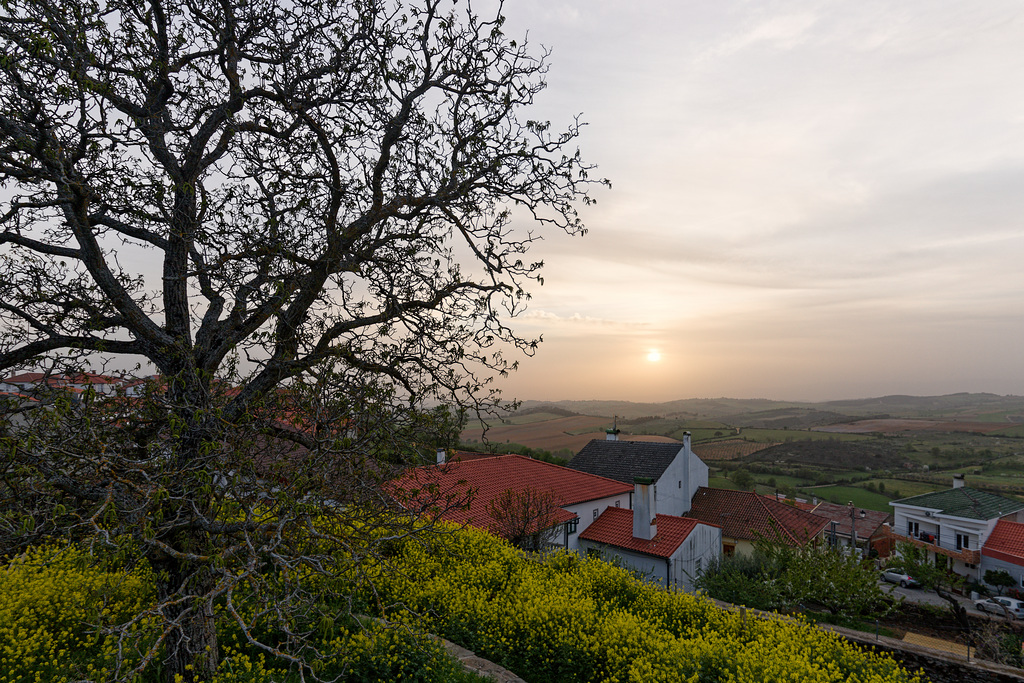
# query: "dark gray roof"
[[625, 460]]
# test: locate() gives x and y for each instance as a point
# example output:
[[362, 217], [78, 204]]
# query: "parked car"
[[1009, 607], [897, 575]]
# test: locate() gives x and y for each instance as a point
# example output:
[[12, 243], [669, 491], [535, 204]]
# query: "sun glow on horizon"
[[653, 355]]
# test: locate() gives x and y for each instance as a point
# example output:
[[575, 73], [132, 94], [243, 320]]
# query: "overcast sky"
[[810, 200]]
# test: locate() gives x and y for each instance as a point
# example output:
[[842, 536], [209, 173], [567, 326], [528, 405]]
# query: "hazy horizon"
[[810, 200]]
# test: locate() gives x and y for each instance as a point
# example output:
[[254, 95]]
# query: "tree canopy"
[[308, 219]]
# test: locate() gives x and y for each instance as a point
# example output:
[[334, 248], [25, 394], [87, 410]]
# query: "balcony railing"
[[931, 542]]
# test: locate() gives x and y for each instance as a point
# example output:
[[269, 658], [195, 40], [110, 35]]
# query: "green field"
[[842, 494], [1014, 431], [721, 483], [783, 480], [906, 488]]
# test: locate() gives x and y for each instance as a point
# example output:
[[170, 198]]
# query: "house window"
[[595, 513], [572, 525], [618, 503], [680, 483], [962, 542], [698, 565], [913, 528], [729, 549], [594, 552]]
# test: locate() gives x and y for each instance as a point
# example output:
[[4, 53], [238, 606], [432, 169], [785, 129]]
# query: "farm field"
[[728, 450], [905, 487], [842, 494], [784, 435], [722, 483], [891, 426], [561, 432]]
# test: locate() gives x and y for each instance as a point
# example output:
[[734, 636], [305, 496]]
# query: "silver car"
[[897, 575], [1011, 608]]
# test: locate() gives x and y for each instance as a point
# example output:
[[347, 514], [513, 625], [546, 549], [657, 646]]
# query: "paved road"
[[928, 597]]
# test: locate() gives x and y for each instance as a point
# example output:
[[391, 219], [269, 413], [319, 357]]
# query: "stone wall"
[[938, 666]]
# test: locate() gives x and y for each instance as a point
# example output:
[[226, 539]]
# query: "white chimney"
[[613, 433], [958, 481], [644, 514], [686, 441], [441, 456]]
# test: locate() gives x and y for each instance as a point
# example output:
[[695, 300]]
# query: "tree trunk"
[[191, 647]]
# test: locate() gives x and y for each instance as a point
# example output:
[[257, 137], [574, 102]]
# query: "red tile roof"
[[25, 378], [866, 525], [615, 527], [1006, 542], [748, 516], [488, 478]]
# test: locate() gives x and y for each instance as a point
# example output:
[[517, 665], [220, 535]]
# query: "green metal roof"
[[965, 502]]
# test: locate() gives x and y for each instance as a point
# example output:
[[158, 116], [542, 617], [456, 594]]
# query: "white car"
[[1008, 607]]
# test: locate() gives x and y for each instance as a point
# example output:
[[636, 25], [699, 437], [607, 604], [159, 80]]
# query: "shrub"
[[565, 619]]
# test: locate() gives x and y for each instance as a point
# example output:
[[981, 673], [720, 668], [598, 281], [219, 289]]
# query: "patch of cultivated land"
[[728, 450], [564, 432], [895, 426], [843, 455]]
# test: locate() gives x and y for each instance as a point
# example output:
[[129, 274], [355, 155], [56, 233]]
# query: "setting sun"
[[654, 355]]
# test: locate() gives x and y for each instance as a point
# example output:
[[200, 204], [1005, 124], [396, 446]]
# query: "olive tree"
[[306, 218]]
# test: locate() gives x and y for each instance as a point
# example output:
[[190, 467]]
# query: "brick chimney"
[[958, 481], [644, 513]]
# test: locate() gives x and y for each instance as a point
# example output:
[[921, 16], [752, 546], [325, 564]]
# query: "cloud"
[[779, 32]]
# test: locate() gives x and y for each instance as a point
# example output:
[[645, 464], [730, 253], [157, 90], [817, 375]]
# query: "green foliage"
[[743, 479], [1000, 579], [779, 577], [54, 605], [566, 619], [915, 561], [56, 602]]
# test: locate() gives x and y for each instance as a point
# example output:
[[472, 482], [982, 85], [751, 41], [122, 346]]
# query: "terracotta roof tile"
[[1006, 542], [866, 526], [487, 478], [615, 527], [747, 515]]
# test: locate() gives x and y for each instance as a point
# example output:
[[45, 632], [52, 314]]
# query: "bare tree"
[[303, 216], [526, 517]]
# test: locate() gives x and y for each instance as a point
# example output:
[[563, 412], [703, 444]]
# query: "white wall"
[[672, 492], [585, 511], [704, 543], [679, 482]]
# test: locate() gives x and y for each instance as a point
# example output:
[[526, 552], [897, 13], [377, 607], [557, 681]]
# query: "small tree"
[[526, 517], [743, 479], [915, 561], [1000, 579]]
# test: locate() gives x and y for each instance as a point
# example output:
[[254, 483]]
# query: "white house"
[[676, 472], [1004, 551], [668, 550], [954, 523]]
